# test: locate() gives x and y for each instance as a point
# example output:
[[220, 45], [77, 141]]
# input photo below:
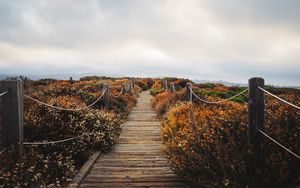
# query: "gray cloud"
[[230, 40]]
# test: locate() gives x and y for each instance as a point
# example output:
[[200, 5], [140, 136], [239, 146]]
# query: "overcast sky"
[[229, 40]]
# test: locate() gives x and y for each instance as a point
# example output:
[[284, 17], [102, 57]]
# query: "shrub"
[[54, 165], [208, 145], [210, 152], [164, 100], [182, 82], [206, 85], [155, 91]]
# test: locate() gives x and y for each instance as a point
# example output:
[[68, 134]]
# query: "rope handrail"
[[66, 109], [271, 94], [50, 142], [2, 151], [120, 93], [221, 101], [54, 142], [5, 92], [282, 146]]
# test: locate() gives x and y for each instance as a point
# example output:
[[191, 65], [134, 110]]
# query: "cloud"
[[230, 40]]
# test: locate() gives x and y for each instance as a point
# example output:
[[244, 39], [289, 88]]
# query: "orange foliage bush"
[[95, 128], [164, 100], [208, 144]]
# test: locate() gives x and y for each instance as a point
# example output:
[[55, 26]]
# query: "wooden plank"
[[86, 168], [135, 184]]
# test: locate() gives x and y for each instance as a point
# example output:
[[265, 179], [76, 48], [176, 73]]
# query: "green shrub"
[[155, 91]]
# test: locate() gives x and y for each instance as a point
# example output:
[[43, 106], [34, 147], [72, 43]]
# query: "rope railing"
[[56, 141], [51, 142], [192, 94], [66, 109], [120, 93], [282, 146], [3, 150], [12, 111], [5, 92], [217, 102], [286, 102]]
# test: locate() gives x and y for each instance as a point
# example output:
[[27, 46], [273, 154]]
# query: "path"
[[137, 160]]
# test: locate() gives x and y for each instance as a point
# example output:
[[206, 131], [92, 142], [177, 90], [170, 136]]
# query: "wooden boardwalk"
[[137, 160]]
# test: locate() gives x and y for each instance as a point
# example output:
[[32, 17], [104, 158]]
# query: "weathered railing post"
[[132, 82], [172, 87], [165, 85], [256, 107], [12, 108], [188, 92], [106, 95], [123, 89], [71, 80], [130, 88]]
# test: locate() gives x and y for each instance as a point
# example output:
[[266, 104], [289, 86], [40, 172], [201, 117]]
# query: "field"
[[207, 144]]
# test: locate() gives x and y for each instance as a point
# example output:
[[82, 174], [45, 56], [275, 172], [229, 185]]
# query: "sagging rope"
[[2, 151], [282, 146], [2, 94], [66, 109], [221, 101], [120, 92], [56, 141], [271, 94], [50, 142]]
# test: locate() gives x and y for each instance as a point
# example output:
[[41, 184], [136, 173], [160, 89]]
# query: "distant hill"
[[77, 76], [56, 76], [226, 83]]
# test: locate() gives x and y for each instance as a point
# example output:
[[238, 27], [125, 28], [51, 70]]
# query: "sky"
[[200, 39]]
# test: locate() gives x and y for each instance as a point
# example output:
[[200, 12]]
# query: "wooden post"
[[106, 95], [189, 95], [130, 88], [123, 89], [165, 85], [256, 107], [132, 82], [12, 108], [172, 87], [71, 80]]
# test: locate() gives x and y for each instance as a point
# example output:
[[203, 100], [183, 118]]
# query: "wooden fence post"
[[256, 107], [165, 85], [12, 108], [188, 93], [123, 89], [130, 88], [172, 87], [132, 82], [106, 95]]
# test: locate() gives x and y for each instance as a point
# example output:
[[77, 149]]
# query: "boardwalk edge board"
[[85, 169]]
